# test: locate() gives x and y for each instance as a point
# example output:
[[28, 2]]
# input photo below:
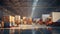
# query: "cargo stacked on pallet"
[[8, 20], [24, 20], [17, 20], [29, 21], [12, 21]]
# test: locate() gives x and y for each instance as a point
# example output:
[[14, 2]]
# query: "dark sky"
[[24, 7]]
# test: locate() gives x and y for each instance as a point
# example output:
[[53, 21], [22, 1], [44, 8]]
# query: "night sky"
[[24, 7]]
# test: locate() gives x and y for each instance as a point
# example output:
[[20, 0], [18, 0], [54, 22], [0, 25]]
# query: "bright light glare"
[[33, 7]]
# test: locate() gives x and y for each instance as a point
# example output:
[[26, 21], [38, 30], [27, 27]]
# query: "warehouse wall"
[[1, 14]]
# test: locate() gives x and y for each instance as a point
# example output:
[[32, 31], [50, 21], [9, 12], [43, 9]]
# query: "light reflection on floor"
[[31, 31]]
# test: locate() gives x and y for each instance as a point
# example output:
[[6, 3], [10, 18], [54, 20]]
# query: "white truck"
[[55, 16], [45, 16]]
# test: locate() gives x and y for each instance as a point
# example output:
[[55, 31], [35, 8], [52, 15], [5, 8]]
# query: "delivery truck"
[[55, 18]]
